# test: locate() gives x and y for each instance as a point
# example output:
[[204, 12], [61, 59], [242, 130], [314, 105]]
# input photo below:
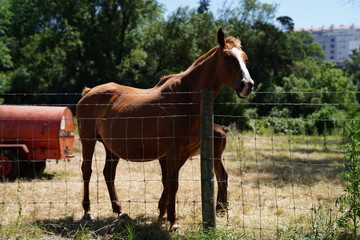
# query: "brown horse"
[[159, 123]]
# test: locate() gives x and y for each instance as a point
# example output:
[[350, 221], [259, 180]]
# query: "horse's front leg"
[[109, 174], [163, 202]]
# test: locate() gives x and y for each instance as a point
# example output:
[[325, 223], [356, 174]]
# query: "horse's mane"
[[85, 91], [164, 78], [197, 61], [205, 56]]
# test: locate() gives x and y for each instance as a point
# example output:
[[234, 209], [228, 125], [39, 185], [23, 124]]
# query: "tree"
[[63, 45], [313, 84], [287, 23], [203, 6], [179, 41], [6, 62], [110, 32], [352, 69], [5, 19]]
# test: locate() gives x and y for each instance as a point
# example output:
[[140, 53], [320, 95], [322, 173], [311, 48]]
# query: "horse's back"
[[98, 99]]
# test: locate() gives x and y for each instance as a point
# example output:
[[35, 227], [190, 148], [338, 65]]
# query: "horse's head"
[[232, 65]]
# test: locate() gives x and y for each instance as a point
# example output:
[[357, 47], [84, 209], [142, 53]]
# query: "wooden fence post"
[[207, 159]]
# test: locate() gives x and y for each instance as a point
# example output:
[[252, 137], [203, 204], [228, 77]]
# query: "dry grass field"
[[276, 184]]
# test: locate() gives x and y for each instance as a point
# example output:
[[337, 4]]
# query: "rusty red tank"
[[34, 134]]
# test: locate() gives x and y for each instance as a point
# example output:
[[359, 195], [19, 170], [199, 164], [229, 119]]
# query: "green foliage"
[[321, 226], [6, 62], [61, 46], [349, 202], [352, 69], [322, 83], [286, 22], [280, 122], [324, 120], [310, 86], [227, 105], [83, 233], [203, 6], [303, 47], [21, 230], [213, 234]]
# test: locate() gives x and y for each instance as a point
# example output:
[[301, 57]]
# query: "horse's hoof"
[[88, 218], [221, 209], [175, 227], [123, 216], [162, 220], [221, 212]]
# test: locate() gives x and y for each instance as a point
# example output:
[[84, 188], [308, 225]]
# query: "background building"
[[337, 42]]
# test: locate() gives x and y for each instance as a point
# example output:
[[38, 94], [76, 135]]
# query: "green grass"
[[22, 230], [140, 229], [109, 229]]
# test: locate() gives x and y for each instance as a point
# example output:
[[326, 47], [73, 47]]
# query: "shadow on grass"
[[306, 172], [292, 170], [109, 228], [30, 177]]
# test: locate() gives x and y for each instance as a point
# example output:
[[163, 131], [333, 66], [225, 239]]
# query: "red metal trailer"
[[31, 134]]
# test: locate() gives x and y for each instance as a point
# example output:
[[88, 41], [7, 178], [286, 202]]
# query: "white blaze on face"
[[239, 55], [246, 75]]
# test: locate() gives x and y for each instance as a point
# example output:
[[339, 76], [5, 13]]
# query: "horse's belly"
[[136, 150], [135, 140]]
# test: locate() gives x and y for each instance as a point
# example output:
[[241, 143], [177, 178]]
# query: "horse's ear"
[[221, 38]]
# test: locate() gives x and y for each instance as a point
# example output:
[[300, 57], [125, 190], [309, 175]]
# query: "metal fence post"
[[207, 159]]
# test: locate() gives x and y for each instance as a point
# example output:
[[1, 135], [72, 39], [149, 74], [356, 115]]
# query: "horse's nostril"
[[242, 85], [251, 85]]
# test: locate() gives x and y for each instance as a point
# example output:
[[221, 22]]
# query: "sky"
[[305, 13]]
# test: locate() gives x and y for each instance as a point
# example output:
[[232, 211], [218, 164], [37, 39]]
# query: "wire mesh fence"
[[282, 171]]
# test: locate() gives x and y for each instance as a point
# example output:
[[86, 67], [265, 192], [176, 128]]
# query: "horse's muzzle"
[[244, 88]]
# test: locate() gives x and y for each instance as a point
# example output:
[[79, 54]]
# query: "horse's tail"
[[85, 91]]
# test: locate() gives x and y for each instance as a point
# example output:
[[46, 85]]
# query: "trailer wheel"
[[9, 166]]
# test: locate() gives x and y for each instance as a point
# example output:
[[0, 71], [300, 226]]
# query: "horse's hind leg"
[[222, 181], [221, 175], [109, 174], [88, 147]]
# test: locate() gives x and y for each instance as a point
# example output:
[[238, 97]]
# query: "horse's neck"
[[201, 76]]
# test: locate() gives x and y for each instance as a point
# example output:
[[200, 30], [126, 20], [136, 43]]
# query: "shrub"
[[349, 202]]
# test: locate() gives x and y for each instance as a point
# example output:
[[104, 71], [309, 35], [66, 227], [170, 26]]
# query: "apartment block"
[[337, 42]]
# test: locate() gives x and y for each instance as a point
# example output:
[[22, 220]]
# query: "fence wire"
[[279, 177]]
